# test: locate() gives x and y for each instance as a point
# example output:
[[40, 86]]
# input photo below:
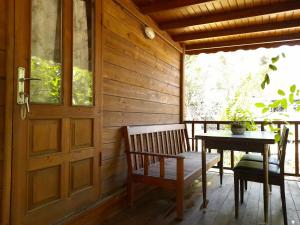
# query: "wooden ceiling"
[[226, 25]]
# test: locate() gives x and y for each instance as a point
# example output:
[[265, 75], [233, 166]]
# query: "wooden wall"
[[141, 80], [3, 20]]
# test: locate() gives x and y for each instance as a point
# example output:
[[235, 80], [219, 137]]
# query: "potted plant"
[[241, 120]]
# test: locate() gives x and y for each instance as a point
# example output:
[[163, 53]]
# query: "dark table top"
[[226, 135]]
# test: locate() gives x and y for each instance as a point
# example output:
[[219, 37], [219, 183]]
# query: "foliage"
[[82, 87], [238, 107], [238, 114], [285, 99], [195, 94], [49, 89], [271, 67], [212, 80]]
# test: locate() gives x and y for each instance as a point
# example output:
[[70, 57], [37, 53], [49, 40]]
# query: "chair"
[[249, 170], [259, 158]]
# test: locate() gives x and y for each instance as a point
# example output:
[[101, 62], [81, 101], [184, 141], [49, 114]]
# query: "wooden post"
[[182, 75]]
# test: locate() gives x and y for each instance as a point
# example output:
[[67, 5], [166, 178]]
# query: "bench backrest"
[[170, 139]]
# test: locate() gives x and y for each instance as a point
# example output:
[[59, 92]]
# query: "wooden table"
[[251, 141]]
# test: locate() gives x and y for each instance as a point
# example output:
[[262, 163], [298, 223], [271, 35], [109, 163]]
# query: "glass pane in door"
[[46, 53], [82, 91]]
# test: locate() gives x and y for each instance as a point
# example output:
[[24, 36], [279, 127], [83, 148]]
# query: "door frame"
[[9, 102], [8, 137]]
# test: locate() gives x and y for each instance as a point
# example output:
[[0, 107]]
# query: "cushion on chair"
[[259, 158], [254, 167]]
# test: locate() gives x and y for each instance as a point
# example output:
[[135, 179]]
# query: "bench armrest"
[[158, 155]]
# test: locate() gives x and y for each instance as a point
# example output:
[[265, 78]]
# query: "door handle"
[[21, 86], [22, 97]]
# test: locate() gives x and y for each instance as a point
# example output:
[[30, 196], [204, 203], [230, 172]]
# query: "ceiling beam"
[[236, 31], [232, 15], [170, 4], [244, 47], [245, 41]]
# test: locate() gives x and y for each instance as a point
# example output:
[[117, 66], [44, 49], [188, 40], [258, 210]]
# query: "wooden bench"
[[160, 155]]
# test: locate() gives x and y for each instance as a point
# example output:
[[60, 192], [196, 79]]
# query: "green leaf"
[[291, 98], [272, 67], [298, 109], [267, 79], [275, 59], [263, 84], [284, 103], [283, 55], [265, 110], [260, 105], [277, 137], [276, 103], [293, 88], [281, 92]]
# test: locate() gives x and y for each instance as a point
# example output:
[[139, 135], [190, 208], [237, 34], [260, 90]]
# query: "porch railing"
[[203, 126]]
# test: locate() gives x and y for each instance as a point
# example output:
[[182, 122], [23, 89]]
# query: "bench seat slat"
[[192, 164]]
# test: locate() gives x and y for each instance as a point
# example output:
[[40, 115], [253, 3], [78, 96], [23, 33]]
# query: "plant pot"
[[238, 127]]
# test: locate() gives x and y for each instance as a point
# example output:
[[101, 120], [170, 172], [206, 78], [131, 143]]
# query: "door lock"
[[22, 97]]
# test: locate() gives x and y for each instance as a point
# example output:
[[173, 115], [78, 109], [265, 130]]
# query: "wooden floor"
[[157, 207]]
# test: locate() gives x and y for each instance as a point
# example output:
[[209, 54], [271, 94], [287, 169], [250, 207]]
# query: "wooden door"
[[56, 147]]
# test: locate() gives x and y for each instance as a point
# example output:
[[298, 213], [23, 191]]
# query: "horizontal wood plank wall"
[[3, 24], [141, 85]]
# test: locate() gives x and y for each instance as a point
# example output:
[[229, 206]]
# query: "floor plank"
[[157, 207]]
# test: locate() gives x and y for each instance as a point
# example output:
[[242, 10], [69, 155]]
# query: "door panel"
[[56, 153]]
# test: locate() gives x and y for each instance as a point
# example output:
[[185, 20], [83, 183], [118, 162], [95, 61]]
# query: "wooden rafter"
[[244, 47], [233, 15], [171, 4], [236, 31], [242, 42]]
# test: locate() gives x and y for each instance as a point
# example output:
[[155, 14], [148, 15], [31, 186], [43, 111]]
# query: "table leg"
[[204, 181], [266, 183]]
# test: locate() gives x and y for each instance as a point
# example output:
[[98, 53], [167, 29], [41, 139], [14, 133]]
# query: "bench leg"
[[179, 201]]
